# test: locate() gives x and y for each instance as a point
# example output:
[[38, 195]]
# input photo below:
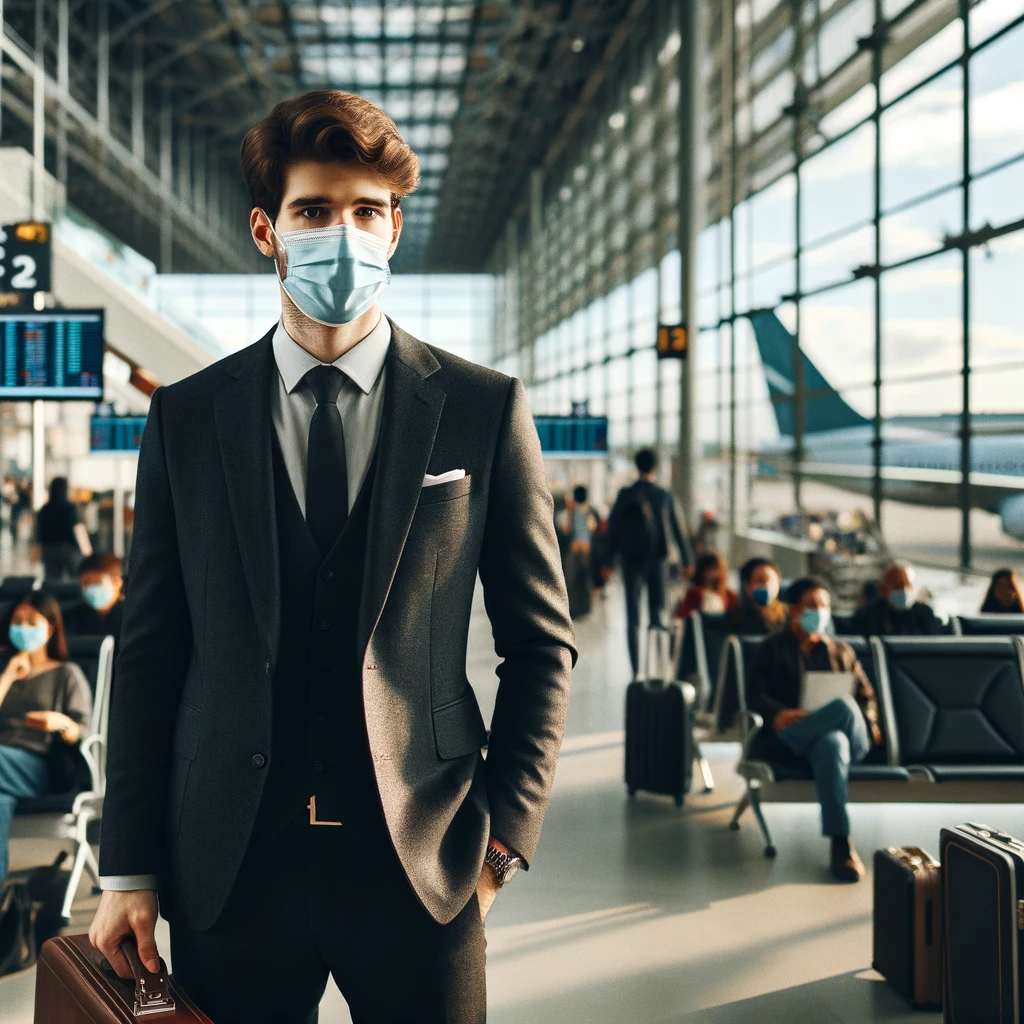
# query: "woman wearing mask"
[[1004, 595], [44, 699], [709, 592], [759, 610]]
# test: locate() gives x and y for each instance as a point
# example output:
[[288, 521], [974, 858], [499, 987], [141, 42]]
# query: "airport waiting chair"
[[959, 708], [64, 591], [14, 588], [66, 816], [952, 716], [842, 626], [988, 625]]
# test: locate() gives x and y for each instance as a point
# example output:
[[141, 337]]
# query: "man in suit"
[[639, 525], [295, 749]]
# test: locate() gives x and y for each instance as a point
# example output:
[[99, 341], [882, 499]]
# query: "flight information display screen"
[[54, 354], [573, 436], [116, 433]]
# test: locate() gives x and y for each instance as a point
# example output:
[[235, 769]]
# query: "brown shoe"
[[845, 864]]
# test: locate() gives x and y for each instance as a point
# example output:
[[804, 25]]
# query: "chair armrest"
[[751, 724], [92, 758]]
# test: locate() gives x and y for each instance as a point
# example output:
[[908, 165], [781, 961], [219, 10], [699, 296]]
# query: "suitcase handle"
[[152, 991]]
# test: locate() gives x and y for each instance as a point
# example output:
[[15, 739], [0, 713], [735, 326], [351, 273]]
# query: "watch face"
[[510, 871]]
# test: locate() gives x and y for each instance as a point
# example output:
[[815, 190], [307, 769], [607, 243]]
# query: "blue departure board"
[[116, 433], [573, 436], [54, 354]]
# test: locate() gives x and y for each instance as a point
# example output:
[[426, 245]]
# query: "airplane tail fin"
[[826, 410]]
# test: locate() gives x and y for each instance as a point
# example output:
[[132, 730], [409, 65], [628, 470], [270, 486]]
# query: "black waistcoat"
[[319, 729]]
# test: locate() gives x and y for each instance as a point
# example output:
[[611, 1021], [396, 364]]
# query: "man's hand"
[[126, 913], [787, 717], [486, 889], [876, 734]]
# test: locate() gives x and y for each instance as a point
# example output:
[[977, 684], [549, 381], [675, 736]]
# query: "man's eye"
[[313, 212], [369, 211]]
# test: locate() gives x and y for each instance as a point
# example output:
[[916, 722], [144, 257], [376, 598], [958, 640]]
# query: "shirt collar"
[[362, 363]]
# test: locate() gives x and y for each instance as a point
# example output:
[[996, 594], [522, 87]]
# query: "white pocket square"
[[444, 478]]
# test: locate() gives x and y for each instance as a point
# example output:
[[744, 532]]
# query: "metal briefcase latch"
[[312, 813]]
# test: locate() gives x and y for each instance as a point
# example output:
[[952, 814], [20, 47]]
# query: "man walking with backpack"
[[638, 530]]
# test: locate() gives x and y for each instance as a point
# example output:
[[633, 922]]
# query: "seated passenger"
[[1004, 595], [896, 611], [44, 699], [102, 605], [709, 591], [759, 610], [827, 740]]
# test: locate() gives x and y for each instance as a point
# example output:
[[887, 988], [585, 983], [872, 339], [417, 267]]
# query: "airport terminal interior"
[[774, 246]]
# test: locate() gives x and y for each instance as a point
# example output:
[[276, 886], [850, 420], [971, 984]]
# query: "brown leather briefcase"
[[76, 985]]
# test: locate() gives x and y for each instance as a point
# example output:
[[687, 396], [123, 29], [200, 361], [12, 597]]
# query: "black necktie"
[[326, 469]]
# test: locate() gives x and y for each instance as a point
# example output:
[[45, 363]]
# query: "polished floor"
[[636, 911]]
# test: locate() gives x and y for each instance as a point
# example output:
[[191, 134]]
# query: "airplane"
[[921, 454]]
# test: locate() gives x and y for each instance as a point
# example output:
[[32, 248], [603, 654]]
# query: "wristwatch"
[[504, 865]]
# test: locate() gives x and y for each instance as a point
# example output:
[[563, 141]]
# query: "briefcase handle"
[[152, 991]]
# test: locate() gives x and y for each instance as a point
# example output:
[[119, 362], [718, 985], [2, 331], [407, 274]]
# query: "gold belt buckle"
[[312, 813]]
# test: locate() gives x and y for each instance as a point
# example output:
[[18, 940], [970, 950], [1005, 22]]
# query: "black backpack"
[[637, 526]]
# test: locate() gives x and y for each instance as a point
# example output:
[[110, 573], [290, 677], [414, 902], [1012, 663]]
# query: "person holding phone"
[[44, 699]]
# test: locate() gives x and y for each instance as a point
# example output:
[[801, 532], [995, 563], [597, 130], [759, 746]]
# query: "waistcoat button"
[[327, 574], [325, 624], [258, 760], [319, 766]]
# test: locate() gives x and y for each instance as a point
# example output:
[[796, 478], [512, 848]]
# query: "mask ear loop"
[[280, 256]]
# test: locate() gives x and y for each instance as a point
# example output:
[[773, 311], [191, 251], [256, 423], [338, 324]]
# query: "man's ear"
[[396, 230], [259, 225]]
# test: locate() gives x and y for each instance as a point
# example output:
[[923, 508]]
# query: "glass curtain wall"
[[859, 264]]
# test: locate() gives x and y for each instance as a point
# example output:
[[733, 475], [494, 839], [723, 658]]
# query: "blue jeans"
[[22, 774], [831, 738]]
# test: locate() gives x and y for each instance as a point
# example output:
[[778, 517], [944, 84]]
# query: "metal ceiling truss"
[[147, 101]]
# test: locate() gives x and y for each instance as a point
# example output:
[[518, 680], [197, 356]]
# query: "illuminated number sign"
[[24, 263], [672, 341]]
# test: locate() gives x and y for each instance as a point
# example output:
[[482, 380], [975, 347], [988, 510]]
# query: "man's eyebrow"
[[310, 201], [366, 201]]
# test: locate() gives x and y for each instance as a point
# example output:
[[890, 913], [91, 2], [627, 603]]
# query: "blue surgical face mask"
[[98, 595], [332, 274], [815, 620], [29, 638], [763, 596], [901, 600]]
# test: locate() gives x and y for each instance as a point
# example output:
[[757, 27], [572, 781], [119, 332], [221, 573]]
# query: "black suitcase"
[[907, 924], [982, 884], [659, 729]]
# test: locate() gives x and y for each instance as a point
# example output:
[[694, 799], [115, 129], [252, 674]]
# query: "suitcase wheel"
[[769, 852], [734, 826], [632, 790], [679, 799]]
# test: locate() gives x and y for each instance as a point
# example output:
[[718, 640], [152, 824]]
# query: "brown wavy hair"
[[324, 125]]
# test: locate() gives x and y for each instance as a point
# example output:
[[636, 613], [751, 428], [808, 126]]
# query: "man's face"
[[811, 599], [93, 577], [896, 578], [323, 194]]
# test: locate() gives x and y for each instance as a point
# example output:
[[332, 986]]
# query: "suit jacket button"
[[319, 766], [327, 574], [325, 624], [258, 760], [319, 716]]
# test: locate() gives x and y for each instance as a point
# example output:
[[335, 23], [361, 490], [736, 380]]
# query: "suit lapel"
[[409, 420], [244, 425]]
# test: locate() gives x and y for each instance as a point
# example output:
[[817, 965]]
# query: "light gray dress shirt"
[[360, 402]]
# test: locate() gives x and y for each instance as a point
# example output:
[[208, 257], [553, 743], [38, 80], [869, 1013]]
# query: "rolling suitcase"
[[907, 950], [659, 728], [76, 985], [982, 886]]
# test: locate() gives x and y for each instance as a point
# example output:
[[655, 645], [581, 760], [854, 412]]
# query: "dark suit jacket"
[[879, 618], [192, 705]]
